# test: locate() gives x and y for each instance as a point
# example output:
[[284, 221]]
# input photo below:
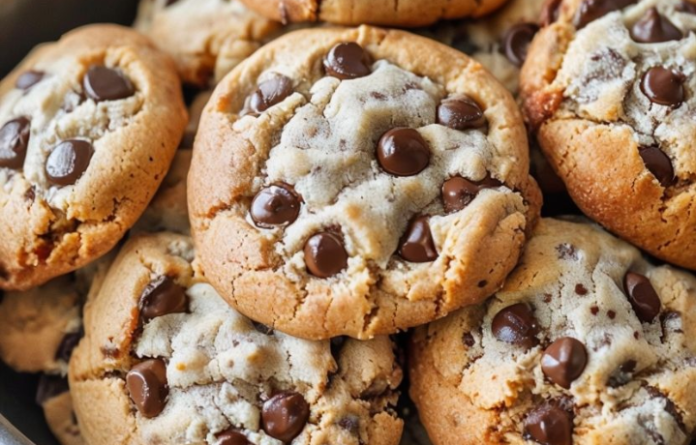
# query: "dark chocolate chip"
[[516, 325], [285, 415], [654, 28], [50, 386], [658, 163], [403, 152], [580, 289], [68, 344], [663, 86], [147, 386], [102, 83], [14, 140], [516, 42], [468, 339], [275, 205], [642, 296], [232, 436], [549, 425], [417, 245], [28, 79], [564, 361], [458, 192], [460, 112], [262, 328], [325, 255], [591, 10], [687, 7], [347, 61], [269, 93], [68, 161], [550, 12], [162, 297]]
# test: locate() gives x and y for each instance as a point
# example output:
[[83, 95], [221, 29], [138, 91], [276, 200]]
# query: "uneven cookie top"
[[587, 343], [356, 169], [183, 367]]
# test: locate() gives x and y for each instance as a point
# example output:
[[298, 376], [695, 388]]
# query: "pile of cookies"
[[344, 238]]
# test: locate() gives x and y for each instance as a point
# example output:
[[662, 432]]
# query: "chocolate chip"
[[14, 140], [468, 339], [269, 93], [417, 245], [49, 387], [658, 163], [162, 297], [516, 42], [654, 28], [670, 407], [549, 425], [284, 416], [458, 192], [687, 7], [516, 325], [350, 423], [232, 436], [347, 61], [147, 386], [663, 86], [642, 296], [580, 289], [403, 152], [550, 12], [28, 79], [68, 161], [68, 344], [325, 255], [564, 361], [262, 328], [460, 112], [102, 83], [591, 10], [275, 205]]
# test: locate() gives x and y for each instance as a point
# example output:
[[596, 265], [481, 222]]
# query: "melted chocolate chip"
[[285, 415], [275, 205], [50, 386], [147, 386], [232, 436], [347, 61], [658, 163], [417, 245], [516, 42], [564, 361], [325, 255], [550, 12], [68, 344], [654, 28], [102, 83], [687, 7], [460, 112], [642, 296], [458, 192], [516, 325], [591, 10], [14, 140], [68, 161], [162, 297], [549, 425], [269, 93], [403, 152], [28, 79], [663, 86]]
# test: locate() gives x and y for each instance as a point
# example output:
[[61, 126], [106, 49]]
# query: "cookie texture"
[[609, 89], [88, 128], [317, 206], [166, 360], [587, 343], [55, 400]]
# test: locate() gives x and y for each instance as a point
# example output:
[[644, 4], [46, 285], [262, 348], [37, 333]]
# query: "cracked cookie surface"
[[587, 343], [609, 87], [89, 126]]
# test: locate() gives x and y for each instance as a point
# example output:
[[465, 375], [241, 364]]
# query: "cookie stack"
[[344, 204]]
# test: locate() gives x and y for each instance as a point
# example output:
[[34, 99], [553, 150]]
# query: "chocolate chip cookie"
[[88, 128], [608, 86], [54, 397], [357, 188], [166, 360], [587, 343]]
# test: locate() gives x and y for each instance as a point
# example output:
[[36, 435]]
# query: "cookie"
[[166, 360], [207, 38], [88, 128], [54, 397], [587, 343], [403, 13], [608, 88], [316, 186]]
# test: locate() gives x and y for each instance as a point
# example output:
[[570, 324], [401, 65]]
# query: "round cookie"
[[321, 198], [609, 89], [587, 343], [166, 360], [207, 38], [54, 397], [88, 128]]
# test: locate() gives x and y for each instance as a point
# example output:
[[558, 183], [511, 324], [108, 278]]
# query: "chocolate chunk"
[[232, 436], [516, 42], [102, 83], [460, 112], [68, 344], [687, 7], [403, 152], [347, 61], [50, 386], [516, 325], [417, 245], [564, 361], [549, 425], [591, 10], [14, 140], [325, 255], [262, 328], [275, 205], [663, 86], [458, 192], [658, 163], [642, 296], [550, 12], [269, 93], [654, 28], [28, 79], [147, 386], [162, 297], [68, 161], [285, 415]]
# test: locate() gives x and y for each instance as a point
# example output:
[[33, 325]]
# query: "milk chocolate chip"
[[347, 61], [642, 296], [147, 386], [403, 152], [460, 112], [285, 415], [275, 205], [417, 245], [14, 140], [516, 325], [516, 42], [68, 161], [591, 10], [102, 83], [564, 361], [232, 436], [325, 255], [549, 425], [162, 297], [663, 86], [654, 28], [458, 192], [269, 93], [658, 163]]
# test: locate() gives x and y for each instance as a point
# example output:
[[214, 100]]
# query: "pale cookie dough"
[[88, 128], [612, 100], [302, 225], [165, 360], [587, 343]]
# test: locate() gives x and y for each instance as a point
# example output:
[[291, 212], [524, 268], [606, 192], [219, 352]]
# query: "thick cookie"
[[88, 128], [54, 397], [207, 38], [609, 86], [165, 360], [587, 343], [316, 187]]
